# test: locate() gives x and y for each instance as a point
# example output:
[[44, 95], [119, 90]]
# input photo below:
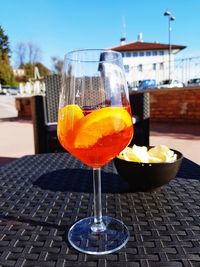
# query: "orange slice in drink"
[[100, 123], [68, 116]]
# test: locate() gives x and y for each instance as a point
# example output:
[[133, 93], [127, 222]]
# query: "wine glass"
[[94, 125]]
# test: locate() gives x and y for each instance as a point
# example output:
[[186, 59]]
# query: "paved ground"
[[182, 137], [16, 138]]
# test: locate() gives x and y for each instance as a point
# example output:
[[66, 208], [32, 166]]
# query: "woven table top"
[[41, 196]]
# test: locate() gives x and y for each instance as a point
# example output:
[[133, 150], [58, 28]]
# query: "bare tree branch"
[[20, 52], [34, 53], [57, 64]]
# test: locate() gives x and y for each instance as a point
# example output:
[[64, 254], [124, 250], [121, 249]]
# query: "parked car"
[[170, 84], [132, 88], [194, 82], [10, 90], [149, 83], [1, 90]]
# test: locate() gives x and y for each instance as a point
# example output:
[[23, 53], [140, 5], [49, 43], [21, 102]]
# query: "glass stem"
[[98, 225]]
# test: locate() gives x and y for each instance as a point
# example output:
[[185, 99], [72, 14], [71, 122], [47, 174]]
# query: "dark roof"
[[138, 46]]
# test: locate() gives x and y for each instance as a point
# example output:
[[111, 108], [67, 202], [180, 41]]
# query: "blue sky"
[[59, 26]]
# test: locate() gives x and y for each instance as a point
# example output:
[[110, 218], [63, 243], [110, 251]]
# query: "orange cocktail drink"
[[94, 137]]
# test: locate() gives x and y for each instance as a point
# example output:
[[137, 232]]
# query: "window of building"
[[161, 53], [140, 67], [128, 54], [154, 66], [122, 54], [148, 53], [161, 66], [141, 54], [126, 68], [135, 54], [155, 53]]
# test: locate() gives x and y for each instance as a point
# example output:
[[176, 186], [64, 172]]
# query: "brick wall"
[[176, 104]]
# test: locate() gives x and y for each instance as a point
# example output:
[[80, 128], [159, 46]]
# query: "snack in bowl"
[[148, 168], [157, 154]]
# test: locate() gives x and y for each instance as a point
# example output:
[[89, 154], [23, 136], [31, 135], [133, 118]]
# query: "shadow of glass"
[[189, 170], [33, 222], [80, 180]]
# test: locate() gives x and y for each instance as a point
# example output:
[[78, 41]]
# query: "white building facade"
[[144, 60]]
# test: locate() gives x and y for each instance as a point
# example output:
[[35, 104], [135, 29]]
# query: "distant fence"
[[182, 69], [187, 68]]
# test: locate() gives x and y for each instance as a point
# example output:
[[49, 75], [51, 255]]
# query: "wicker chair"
[[140, 106], [45, 115]]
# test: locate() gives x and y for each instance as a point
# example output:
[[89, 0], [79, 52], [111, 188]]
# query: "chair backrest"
[[91, 88], [45, 115], [52, 85], [140, 106]]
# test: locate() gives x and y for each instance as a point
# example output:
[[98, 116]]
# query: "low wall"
[[175, 104], [23, 106]]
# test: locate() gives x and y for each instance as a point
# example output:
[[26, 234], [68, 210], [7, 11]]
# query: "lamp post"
[[170, 18]]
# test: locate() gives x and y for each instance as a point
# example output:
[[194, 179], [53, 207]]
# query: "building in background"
[[19, 72], [144, 60]]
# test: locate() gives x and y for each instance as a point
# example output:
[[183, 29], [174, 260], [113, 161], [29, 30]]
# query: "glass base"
[[113, 238]]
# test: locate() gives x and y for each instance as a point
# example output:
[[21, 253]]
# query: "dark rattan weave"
[[45, 112], [42, 196]]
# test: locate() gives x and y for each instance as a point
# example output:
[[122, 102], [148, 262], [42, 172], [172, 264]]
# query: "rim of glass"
[[67, 56]]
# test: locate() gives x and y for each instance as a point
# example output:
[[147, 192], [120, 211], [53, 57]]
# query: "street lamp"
[[170, 18]]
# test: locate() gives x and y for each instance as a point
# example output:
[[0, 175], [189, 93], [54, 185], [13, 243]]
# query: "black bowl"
[[147, 176]]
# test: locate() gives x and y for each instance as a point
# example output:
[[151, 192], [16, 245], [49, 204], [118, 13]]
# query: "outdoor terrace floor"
[[16, 138]]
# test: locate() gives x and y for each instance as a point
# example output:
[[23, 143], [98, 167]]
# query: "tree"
[[6, 72], [42, 69], [4, 43], [30, 71], [57, 64], [27, 53], [33, 53], [27, 58], [20, 52]]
